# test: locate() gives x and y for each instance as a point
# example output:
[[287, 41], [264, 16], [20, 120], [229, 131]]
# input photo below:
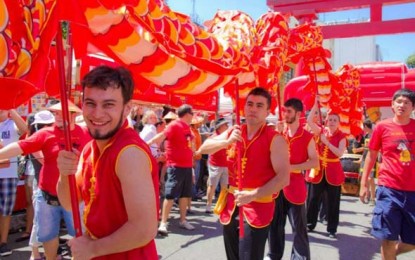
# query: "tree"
[[410, 61]]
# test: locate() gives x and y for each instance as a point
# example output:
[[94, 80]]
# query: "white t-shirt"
[[9, 134], [148, 132]]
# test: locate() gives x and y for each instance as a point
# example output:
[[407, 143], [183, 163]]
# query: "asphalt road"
[[205, 242]]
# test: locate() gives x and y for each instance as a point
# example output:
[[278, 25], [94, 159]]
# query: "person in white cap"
[[33, 165], [50, 140]]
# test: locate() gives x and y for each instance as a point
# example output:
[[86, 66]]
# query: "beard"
[[290, 120], [99, 136]]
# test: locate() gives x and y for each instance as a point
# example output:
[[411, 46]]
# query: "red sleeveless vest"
[[330, 165], [100, 188], [256, 171], [296, 191]]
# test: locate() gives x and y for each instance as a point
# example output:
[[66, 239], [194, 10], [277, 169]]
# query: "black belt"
[[50, 199]]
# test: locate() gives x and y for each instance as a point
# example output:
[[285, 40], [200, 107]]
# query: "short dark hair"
[[184, 109], [294, 103], [260, 91], [404, 92], [104, 77], [159, 122], [367, 123]]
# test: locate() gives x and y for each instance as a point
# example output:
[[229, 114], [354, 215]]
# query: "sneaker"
[[5, 250], [310, 228], [372, 203], [208, 210], [332, 235], [186, 225], [162, 230]]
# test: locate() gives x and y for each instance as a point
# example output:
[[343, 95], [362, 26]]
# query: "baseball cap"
[[43, 117]]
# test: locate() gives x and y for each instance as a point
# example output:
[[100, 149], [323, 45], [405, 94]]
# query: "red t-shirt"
[[179, 144], [397, 145], [219, 158], [51, 140]]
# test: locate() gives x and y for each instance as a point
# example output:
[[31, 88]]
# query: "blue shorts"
[[178, 183], [394, 215], [48, 219], [8, 189]]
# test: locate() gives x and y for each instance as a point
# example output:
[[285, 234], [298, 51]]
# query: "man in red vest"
[[117, 177], [291, 201], [264, 171]]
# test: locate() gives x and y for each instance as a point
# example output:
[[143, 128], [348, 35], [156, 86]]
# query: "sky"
[[395, 47]]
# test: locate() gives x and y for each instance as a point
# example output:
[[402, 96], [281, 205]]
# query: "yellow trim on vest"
[[329, 159], [266, 199]]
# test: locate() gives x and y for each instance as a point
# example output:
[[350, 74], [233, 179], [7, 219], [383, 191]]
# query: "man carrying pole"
[[291, 201], [265, 171], [117, 177]]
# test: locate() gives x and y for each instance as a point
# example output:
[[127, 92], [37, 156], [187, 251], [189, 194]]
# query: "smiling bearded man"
[[116, 177]]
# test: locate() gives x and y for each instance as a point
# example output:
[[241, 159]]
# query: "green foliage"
[[64, 26], [410, 61]]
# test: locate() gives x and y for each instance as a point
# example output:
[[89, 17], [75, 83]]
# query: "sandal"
[[23, 237]]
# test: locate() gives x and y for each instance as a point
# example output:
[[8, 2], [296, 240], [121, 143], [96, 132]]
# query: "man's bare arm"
[[370, 161], [18, 120], [315, 129], [214, 144], [67, 164], [140, 203], [313, 160], [10, 151], [280, 160], [157, 139]]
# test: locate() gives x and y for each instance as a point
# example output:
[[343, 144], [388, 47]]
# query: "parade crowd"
[[132, 167]]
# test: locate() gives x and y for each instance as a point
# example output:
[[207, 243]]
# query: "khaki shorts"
[[217, 175]]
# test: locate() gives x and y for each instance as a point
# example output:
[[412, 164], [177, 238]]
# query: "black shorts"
[[179, 183]]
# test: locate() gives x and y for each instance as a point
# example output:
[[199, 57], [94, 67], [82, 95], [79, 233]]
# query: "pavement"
[[353, 242]]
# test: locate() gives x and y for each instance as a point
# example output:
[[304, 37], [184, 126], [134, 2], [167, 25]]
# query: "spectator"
[[11, 127], [33, 165], [149, 130], [217, 165], [179, 156], [394, 213], [49, 140]]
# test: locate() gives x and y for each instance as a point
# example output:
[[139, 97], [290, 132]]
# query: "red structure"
[[307, 10]]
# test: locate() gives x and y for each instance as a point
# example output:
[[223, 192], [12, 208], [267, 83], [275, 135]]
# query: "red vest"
[[296, 191], [257, 170], [330, 165], [104, 211]]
